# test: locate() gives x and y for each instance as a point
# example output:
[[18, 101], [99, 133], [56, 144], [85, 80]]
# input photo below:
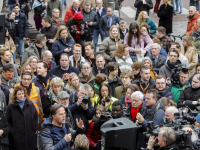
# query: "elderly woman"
[[147, 62], [188, 50], [33, 60], [62, 43], [23, 120], [73, 83], [110, 44], [143, 18], [123, 59], [57, 85]]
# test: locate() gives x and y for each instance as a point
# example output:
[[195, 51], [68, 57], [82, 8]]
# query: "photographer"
[[117, 112], [191, 94], [166, 139], [177, 88], [169, 113], [80, 104]]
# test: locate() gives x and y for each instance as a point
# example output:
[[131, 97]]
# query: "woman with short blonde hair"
[[81, 142], [73, 83]]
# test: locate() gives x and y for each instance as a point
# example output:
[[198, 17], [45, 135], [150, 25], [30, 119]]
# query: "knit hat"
[[78, 16], [198, 118]]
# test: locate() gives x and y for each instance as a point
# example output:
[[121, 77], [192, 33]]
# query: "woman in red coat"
[[92, 134]]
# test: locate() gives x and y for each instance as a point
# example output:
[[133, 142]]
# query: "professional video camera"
[[176, 72], [190, 115]]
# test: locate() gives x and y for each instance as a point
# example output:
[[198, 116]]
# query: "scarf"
[[27, 88], [109, 21], [44, 79], [127, 101], [171, 66], [124, 64], [134, 112], [21, 103], [190, 17], [36, 4], [54, 97]]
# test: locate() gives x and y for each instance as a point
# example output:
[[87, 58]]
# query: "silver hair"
[[100, 56], [194, 8], [122, 22], [172, 109], [137, 93], [55, 9], [85, 87], [75, 1], [146, 58], [99, 0], [168, 135], [46, 53], [156, 44]]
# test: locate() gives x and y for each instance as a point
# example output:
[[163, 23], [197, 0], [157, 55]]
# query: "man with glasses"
[[191, 94], [47, 57], [163, 90], [37, 49], [86, 75], [171, 64], [32, 91], [76, 60], [64, 69], [81, 110]]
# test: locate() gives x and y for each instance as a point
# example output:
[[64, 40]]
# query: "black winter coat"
[[142, 7], [72, 26], [38, 10], [90, 17], [159, 63], [50, 33], [166, 17], [104, 12], [189, 94], [117, 81], [122, 35], [10, 25], [23, 25], [95, 71], [23, 124]]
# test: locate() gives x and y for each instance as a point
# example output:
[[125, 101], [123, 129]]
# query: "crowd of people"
[[54, 97]]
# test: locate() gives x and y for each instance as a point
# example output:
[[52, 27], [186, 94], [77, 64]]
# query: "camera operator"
[[169, 113], [117, 112], [197, 122], [80, 105], [153, 112], [166, 139], [177, 88], [191, 94]]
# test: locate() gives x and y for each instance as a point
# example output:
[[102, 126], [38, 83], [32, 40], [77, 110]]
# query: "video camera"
[[176, 72]]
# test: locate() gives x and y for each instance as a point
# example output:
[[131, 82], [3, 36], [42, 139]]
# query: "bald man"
[[47, 57]]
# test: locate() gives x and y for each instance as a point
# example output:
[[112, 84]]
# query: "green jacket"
[[177, 90]]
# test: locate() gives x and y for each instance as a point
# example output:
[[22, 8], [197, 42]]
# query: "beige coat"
[[192, 57], [92, 3], [9, 44]]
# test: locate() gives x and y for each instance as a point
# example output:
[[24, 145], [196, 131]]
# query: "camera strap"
[[157, 108]]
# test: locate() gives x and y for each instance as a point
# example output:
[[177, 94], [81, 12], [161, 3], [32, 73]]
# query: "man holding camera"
[[169, 113], [166, 139], [80, 105], [191, 94]]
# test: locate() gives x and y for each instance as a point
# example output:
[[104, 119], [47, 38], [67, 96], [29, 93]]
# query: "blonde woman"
[[33, 60], [143, 18], [188, 50], [62, 43], [73, 83], [110, 44], [27, 67], [57, 85], [165, 13], [81, 142]]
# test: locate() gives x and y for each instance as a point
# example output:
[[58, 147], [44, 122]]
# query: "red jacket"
[[70, 13], [92, 135], [192, 24]]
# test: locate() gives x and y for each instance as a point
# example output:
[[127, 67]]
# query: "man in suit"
[[101, 11]]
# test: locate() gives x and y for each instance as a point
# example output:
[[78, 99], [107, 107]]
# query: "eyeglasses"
[[85, 68]]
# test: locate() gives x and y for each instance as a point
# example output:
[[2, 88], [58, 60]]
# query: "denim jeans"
[[14, 56], [179, 2], [194, 3], [173, 6], [64, 2], [10, 8], [21, 45], [96, 36]]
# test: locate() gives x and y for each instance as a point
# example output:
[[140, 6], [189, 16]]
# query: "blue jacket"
[[103, 23], [23, 25], [151, 24], [159, 63], [6, 93], [78, 111], [53, 64], [11, 2], [162, 52], [40, 85], [59, 45], [52, 137], [104, 12], [166, 93], [57, 71]]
